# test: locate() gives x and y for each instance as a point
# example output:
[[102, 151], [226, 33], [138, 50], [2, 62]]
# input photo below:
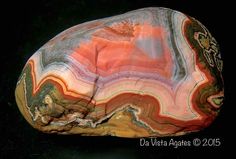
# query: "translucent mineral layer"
[[148, 72]]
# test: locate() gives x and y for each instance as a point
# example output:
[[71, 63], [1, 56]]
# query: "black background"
[[29, 25]]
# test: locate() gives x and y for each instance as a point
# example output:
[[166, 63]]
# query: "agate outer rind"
[[148, 72]]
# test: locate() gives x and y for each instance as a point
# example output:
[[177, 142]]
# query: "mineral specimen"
[[148, 72]]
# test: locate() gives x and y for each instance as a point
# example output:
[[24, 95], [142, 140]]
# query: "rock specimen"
[[149, 72]]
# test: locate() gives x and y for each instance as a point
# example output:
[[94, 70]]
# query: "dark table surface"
[[29, 25]]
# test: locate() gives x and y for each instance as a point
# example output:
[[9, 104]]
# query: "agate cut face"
[[148, 72]]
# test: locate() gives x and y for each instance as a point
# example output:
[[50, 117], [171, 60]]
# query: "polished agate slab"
[[148, 72]]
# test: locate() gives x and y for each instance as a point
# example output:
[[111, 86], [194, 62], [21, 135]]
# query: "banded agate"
[[148, 72]]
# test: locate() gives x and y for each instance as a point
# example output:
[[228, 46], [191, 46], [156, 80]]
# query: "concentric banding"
[[149, 72]]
